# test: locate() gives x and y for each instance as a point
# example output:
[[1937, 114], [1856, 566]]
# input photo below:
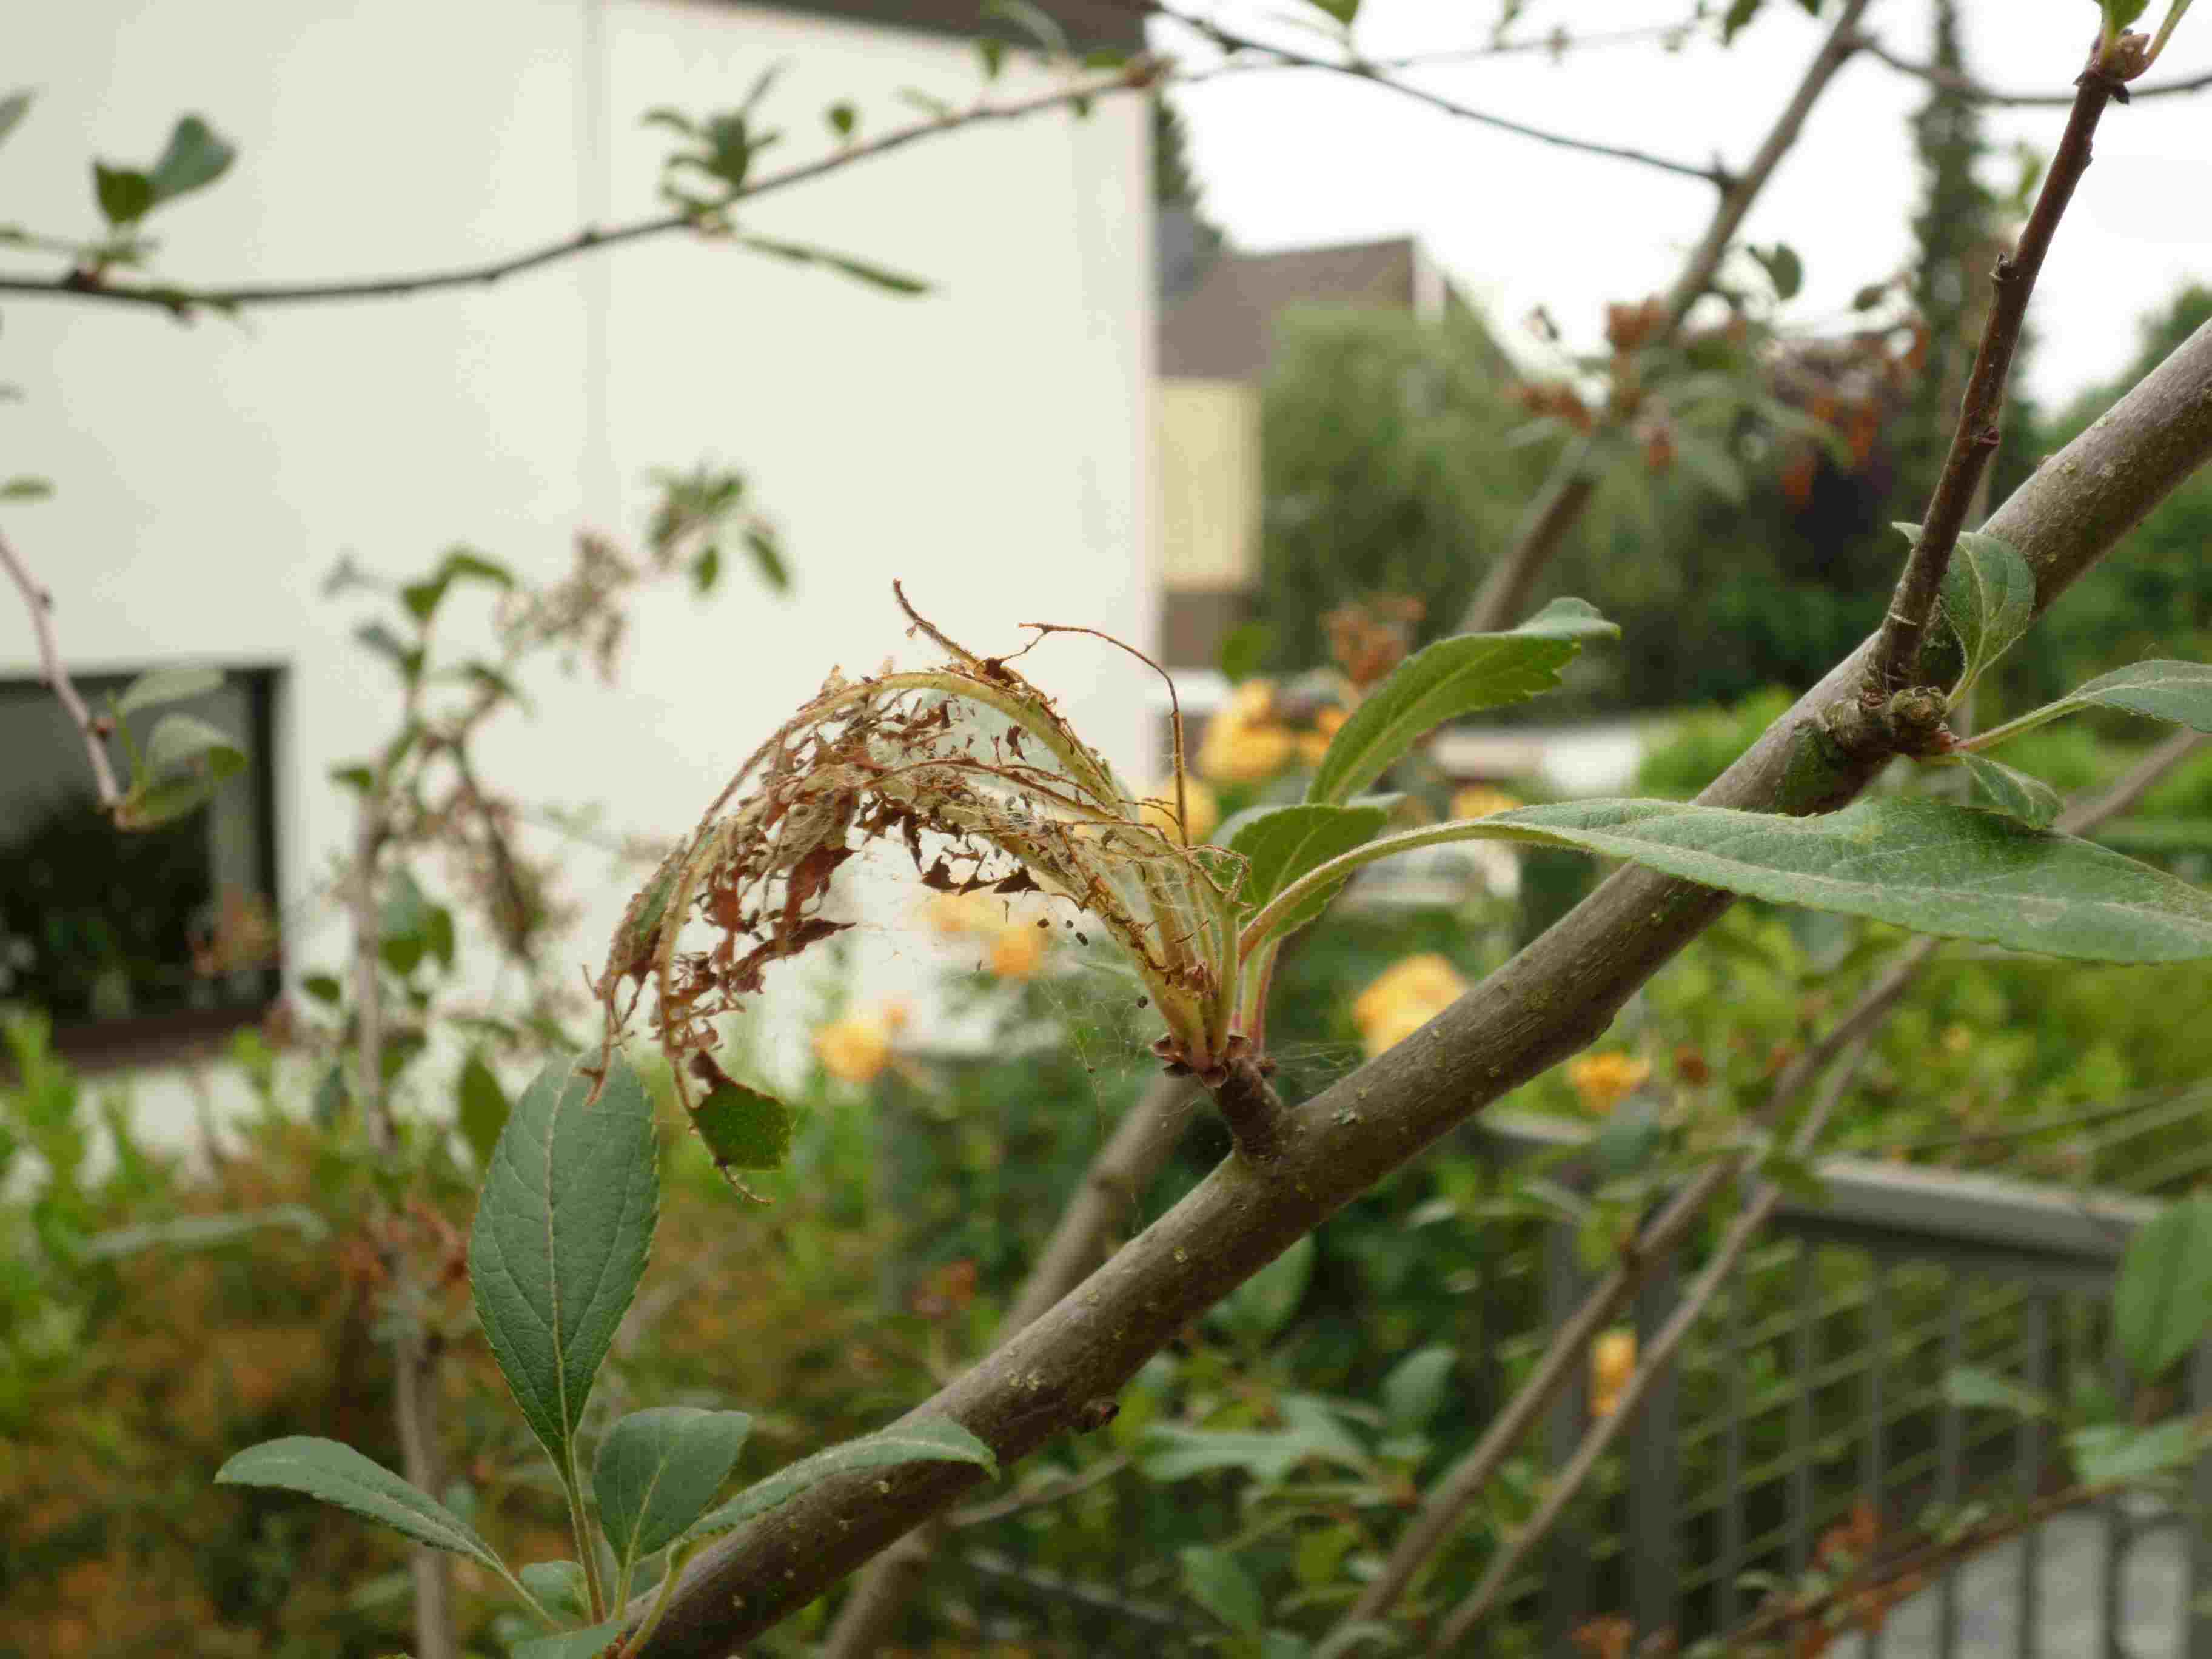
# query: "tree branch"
[[40, 604], [1360, 69], [182, 299], [1951, 81], [1440, 1514], [1504, 592], [1556, 996], [1974, 439]]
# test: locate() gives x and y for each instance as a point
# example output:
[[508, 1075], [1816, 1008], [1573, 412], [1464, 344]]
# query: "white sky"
[[1296, 158]]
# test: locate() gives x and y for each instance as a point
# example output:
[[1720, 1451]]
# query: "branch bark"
[[1974, 439], [40, 604], [1504, 592], [1555, 997], [1966, 85]]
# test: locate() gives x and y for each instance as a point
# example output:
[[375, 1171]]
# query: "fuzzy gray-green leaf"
[[1280, 844], [934, 1440], [339, 1475], [1447, 679], [560, 1238], [2002, 789], [1987, 597], [572, 1643], [2160, 689], [658, 1472], [2162, 1299]]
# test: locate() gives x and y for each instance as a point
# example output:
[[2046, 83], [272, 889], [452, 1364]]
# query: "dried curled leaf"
[[967, 772]]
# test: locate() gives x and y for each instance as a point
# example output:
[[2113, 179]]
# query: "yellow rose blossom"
[[962, 915], [1479, 801], [1243, 743], [855, 1049], [1613, 1363], [1405, 998], [1158, 808], [1603, 1081]]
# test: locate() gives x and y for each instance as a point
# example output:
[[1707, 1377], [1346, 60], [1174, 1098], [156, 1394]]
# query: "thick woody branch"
[[1555, 997], [1975, 438], [40, 605], [1504, 592]]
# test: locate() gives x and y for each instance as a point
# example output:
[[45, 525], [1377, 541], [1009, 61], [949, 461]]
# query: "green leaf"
[[26, 489], [706, 569], [324, 988], [1032, 20], [403, 927], [1997, 787], [422, 598], [167, 685], [2119, 14], [1739, 14], [1345, 12], [1450, 678], [560, 1238], [1245, 650], [1988, 598], [12, 108], [843, 118], [934, 1440], [1625, 1142], [1413, 1392], [484, 1109], [195, 157], [2162, 1299], [329, 1098], [203, 1232], [1263, 1303], [1967, 1385], [743, 1128], [338, 1474], [1782, 267], [875, 276], [1281, 844], [767, 557], [2159, 689], [1870, 296], [1223, 1587], [1714, 466], [571, 1643], [658, 1472], [124, 193], [560, 1587], [2117, 1454], [187, 760], [405, 657]]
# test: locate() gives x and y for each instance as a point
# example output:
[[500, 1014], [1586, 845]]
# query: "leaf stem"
[[580, 1524]]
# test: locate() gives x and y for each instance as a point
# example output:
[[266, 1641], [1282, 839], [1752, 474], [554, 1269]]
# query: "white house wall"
[[987, 443]]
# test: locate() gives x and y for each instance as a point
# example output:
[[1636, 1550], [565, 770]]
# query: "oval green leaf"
[[658, 1472], [339, 1475], [934, 1440], [562, 1233], [570, 1643], [2160, 689], [1447, 679], [2002, 789], [1280, 844], [1988, 598], [169, 685], [2162, 1300]]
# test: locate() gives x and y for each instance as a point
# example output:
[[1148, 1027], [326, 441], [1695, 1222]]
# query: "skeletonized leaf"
[[1988, 598], [934, 1440], [2002, 789], [2162, 1299], [338, 1474], [1281, 844], [1925, 865], [658, 1470], [560, 1238], [1446, 680]]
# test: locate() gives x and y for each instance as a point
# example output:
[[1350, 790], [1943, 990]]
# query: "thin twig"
[[1504, 592], [183, 299], [1651, 1365], [1360, 69], [40, 604], [1447, 1504], [1974, 440], [1951, 81]]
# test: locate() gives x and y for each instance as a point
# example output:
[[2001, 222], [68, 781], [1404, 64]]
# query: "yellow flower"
[[1479, 801], [1157, 808], [962, 915], [1613, 1362], [855, 1049], [1957, 1040], [1603, 1081], [1243, 743], [1017, 952], [1405, 998]]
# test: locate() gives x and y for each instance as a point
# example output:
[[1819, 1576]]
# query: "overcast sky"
[[1299, 158]]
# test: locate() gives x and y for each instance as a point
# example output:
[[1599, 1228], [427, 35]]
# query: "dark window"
[[144, 945]]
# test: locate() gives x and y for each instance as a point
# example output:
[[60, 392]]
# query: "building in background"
[[1218, 315], [208, 478]]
